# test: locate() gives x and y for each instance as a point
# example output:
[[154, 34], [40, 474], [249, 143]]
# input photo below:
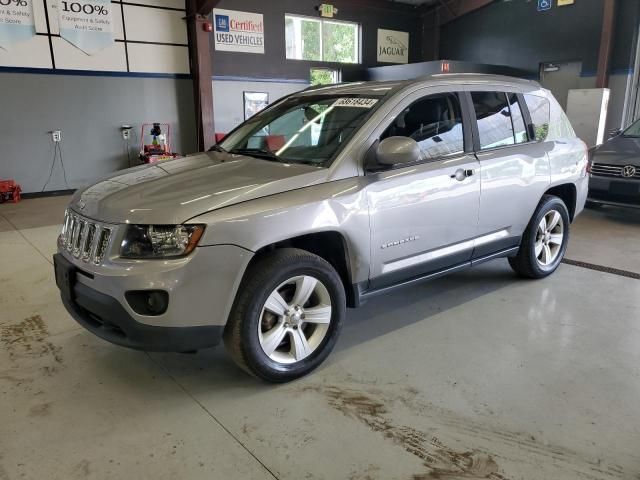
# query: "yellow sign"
[[562, 3]]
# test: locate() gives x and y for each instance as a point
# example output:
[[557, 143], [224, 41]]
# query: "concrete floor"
[[478, 375]]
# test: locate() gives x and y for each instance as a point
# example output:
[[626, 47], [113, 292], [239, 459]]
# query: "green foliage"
[[310, 40], [541, 132], [321, 76], [339, 42]]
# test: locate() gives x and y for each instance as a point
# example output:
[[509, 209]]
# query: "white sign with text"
[[16, 21], [87, 24], [393, 46], [238, 31]]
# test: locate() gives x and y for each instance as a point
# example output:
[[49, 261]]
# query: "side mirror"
[[398, 150], [615, 132]]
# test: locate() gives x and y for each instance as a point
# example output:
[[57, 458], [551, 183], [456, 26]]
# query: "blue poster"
[[88, 24], [544, 5], [16, 22]]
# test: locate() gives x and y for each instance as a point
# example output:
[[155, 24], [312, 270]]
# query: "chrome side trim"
[[443, 252]]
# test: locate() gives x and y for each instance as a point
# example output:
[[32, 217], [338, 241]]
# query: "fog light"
[[148, 302]]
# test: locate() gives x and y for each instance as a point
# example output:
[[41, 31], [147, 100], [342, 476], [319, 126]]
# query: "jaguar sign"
[[393, 46]]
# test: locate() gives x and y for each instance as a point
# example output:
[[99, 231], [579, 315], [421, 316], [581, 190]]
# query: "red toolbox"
[[9, 191]]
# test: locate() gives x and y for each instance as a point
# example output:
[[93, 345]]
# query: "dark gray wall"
[[273, 64], [514, 33], [89, 111]]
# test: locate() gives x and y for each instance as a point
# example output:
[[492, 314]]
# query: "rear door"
[[514, 168], [424, 216]]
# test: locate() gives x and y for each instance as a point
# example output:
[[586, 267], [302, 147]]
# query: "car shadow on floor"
[[379, 316], [405, 306]]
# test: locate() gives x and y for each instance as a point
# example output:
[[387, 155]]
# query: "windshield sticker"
[[356, 102]]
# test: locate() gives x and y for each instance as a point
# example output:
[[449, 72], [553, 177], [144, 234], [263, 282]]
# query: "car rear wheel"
[[287, 315], [544, 241]]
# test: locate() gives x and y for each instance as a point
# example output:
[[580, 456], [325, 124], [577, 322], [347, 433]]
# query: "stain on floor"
[[29, 338], [40, 410], [372, 407], [440, 462]]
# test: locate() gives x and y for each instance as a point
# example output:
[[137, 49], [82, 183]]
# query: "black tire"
[[261, 279], [526, 263], [593, 205]]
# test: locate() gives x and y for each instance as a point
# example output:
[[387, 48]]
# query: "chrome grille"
[[84, 239], [605, 170]]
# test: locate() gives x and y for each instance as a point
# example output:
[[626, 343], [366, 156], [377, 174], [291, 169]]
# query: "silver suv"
[[324, 199]]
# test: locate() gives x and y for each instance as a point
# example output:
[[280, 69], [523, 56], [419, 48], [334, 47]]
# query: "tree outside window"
[[324, 76], [322, 40]]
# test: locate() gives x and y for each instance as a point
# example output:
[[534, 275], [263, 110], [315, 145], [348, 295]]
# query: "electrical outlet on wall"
[[56, 135], [126, 131]]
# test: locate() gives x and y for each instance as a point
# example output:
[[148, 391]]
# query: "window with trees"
[[324, 76], [322, 40]]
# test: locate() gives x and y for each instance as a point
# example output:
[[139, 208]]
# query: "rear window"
[[540, 112]]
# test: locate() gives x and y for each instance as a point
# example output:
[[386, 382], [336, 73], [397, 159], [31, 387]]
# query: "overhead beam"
[[201, 72], [606, 43]]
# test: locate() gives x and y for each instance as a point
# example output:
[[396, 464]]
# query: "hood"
[[174, 191], [619, 150]]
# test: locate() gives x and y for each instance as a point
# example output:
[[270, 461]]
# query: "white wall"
[[155, 33], [228, 97]]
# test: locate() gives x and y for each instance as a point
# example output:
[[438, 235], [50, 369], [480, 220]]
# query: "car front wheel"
[[544, 241], [287, 315]]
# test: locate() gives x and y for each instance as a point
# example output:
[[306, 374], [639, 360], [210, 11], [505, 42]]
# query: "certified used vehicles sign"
[[238, 31]]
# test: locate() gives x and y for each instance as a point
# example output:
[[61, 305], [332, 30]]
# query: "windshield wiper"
[[257, 152], [217, 148]]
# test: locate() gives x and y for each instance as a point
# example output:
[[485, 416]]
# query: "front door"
[[423, 217]]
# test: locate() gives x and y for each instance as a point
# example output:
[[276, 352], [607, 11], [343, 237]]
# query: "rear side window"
[[494, 119], [435, 122], [540, 112]]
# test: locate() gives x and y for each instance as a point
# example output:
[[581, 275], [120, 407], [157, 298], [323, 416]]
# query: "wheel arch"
[[330, 245], [568, 193]]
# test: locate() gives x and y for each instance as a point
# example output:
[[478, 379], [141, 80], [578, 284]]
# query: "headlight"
[[160, 241]]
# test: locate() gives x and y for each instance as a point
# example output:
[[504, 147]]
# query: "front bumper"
[[200, 288], [105, 317], [614, 191]]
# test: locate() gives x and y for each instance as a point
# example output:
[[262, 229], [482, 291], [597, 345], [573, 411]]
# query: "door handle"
[[461, 174]]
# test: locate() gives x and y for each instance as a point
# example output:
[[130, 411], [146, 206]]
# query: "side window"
[[540, 112], [494, 119], [435, 122], [517, 119]]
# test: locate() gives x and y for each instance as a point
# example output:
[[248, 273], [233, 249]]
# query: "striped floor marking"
[[601, 268]]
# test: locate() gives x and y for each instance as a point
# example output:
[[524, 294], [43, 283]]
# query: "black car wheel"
[[544, 241], [287, 315]]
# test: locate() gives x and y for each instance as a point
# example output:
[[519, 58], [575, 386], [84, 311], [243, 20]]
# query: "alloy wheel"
[[295, 319], [549, 238]]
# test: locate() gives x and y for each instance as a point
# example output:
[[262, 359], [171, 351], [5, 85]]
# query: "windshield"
[[633, 130], [307, 129]]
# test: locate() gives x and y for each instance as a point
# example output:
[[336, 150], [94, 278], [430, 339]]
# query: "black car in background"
[[615, 170]]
